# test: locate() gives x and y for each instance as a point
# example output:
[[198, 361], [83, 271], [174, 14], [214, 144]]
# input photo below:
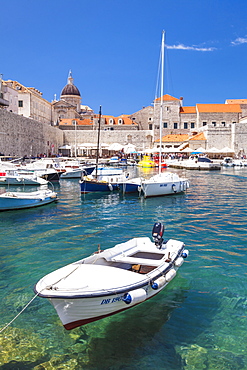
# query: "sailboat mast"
[[97, 151], [161, 93]]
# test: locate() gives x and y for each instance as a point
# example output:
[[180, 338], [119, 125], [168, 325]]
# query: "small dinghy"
[[17, 200], [112, 280]]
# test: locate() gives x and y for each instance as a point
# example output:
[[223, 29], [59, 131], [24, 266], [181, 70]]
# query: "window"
[[223, 124], [204, 123], [165, 125], [214, 123], [150, 119], [150, 126], [20, 103], [185, 125], [120, 121], [175, 125], [111, 121], [192, 125]]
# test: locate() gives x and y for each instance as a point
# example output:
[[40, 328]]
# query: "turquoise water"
[[198, 322]]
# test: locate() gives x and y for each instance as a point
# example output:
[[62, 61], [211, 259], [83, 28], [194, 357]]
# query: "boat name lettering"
[[113, 300], [163, 185]]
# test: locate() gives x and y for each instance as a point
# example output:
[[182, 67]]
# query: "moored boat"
[[91, 184], [11, 200], [112, 280], [164, 183], [14, 177], [146, 162]]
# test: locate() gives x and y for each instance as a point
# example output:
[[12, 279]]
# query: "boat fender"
[[135, 296], [174, 188], [179, 261], [110, 187], [158, 283], [170, 275], [185, 253]]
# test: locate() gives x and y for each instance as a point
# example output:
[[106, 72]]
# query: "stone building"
[[31, 104], [4, 102]]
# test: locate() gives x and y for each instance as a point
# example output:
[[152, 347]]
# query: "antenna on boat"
[[97, 151]]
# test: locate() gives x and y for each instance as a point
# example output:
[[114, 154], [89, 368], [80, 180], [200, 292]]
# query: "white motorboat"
[[45, 168], [112, 280], [164, 183], [17, 200], [14, 177], [231, 162], [200, 163]]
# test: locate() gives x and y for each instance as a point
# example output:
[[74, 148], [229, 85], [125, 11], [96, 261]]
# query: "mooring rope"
[[5, 327], [47, 287]]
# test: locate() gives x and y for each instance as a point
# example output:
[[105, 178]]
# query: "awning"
[[68, 147], [226, 150], [115, 146], [213, 150], [129, 148]]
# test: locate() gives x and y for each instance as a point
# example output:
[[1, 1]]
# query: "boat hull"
[[159, 188], [7, 180], [90, 186], [82, 311], [12, 202]]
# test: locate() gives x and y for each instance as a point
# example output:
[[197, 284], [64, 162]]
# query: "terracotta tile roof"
[[199, 136], [188, 110], [124, 117], [174, 138], [80, 122], [219, 108], [236, 101], [166, 97]]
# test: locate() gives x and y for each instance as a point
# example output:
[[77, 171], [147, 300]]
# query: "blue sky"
[[112, 48]]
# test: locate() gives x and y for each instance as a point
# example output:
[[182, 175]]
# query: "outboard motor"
[[157, 233]]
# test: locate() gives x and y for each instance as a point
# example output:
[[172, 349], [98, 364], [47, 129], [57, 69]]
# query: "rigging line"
[[158, 78]]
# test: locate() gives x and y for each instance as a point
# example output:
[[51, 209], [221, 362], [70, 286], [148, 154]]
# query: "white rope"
[[47, 287], [5, 327]]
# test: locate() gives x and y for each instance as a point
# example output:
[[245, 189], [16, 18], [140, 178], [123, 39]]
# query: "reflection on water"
[[198, 322]]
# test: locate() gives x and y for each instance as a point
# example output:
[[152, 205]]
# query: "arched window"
[[120, 121], [111, 121]]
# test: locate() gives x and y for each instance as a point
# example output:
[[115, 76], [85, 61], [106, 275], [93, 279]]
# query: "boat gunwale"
[[148, 279]]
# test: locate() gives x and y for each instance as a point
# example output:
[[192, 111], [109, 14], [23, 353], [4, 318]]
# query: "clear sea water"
[[198, 322]]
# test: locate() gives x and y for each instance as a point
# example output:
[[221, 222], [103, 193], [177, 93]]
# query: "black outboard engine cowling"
[[157, 233]]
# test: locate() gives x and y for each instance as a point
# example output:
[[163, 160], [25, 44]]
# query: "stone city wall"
[[21, 136], [240, 142]]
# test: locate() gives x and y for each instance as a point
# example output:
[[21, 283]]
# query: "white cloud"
[[183, 47], [239, 41]]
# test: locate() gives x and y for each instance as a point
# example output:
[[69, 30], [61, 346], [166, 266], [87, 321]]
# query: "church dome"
[[70, 88]]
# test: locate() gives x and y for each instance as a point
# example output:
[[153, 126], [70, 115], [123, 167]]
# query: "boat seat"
[[137, 261]]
